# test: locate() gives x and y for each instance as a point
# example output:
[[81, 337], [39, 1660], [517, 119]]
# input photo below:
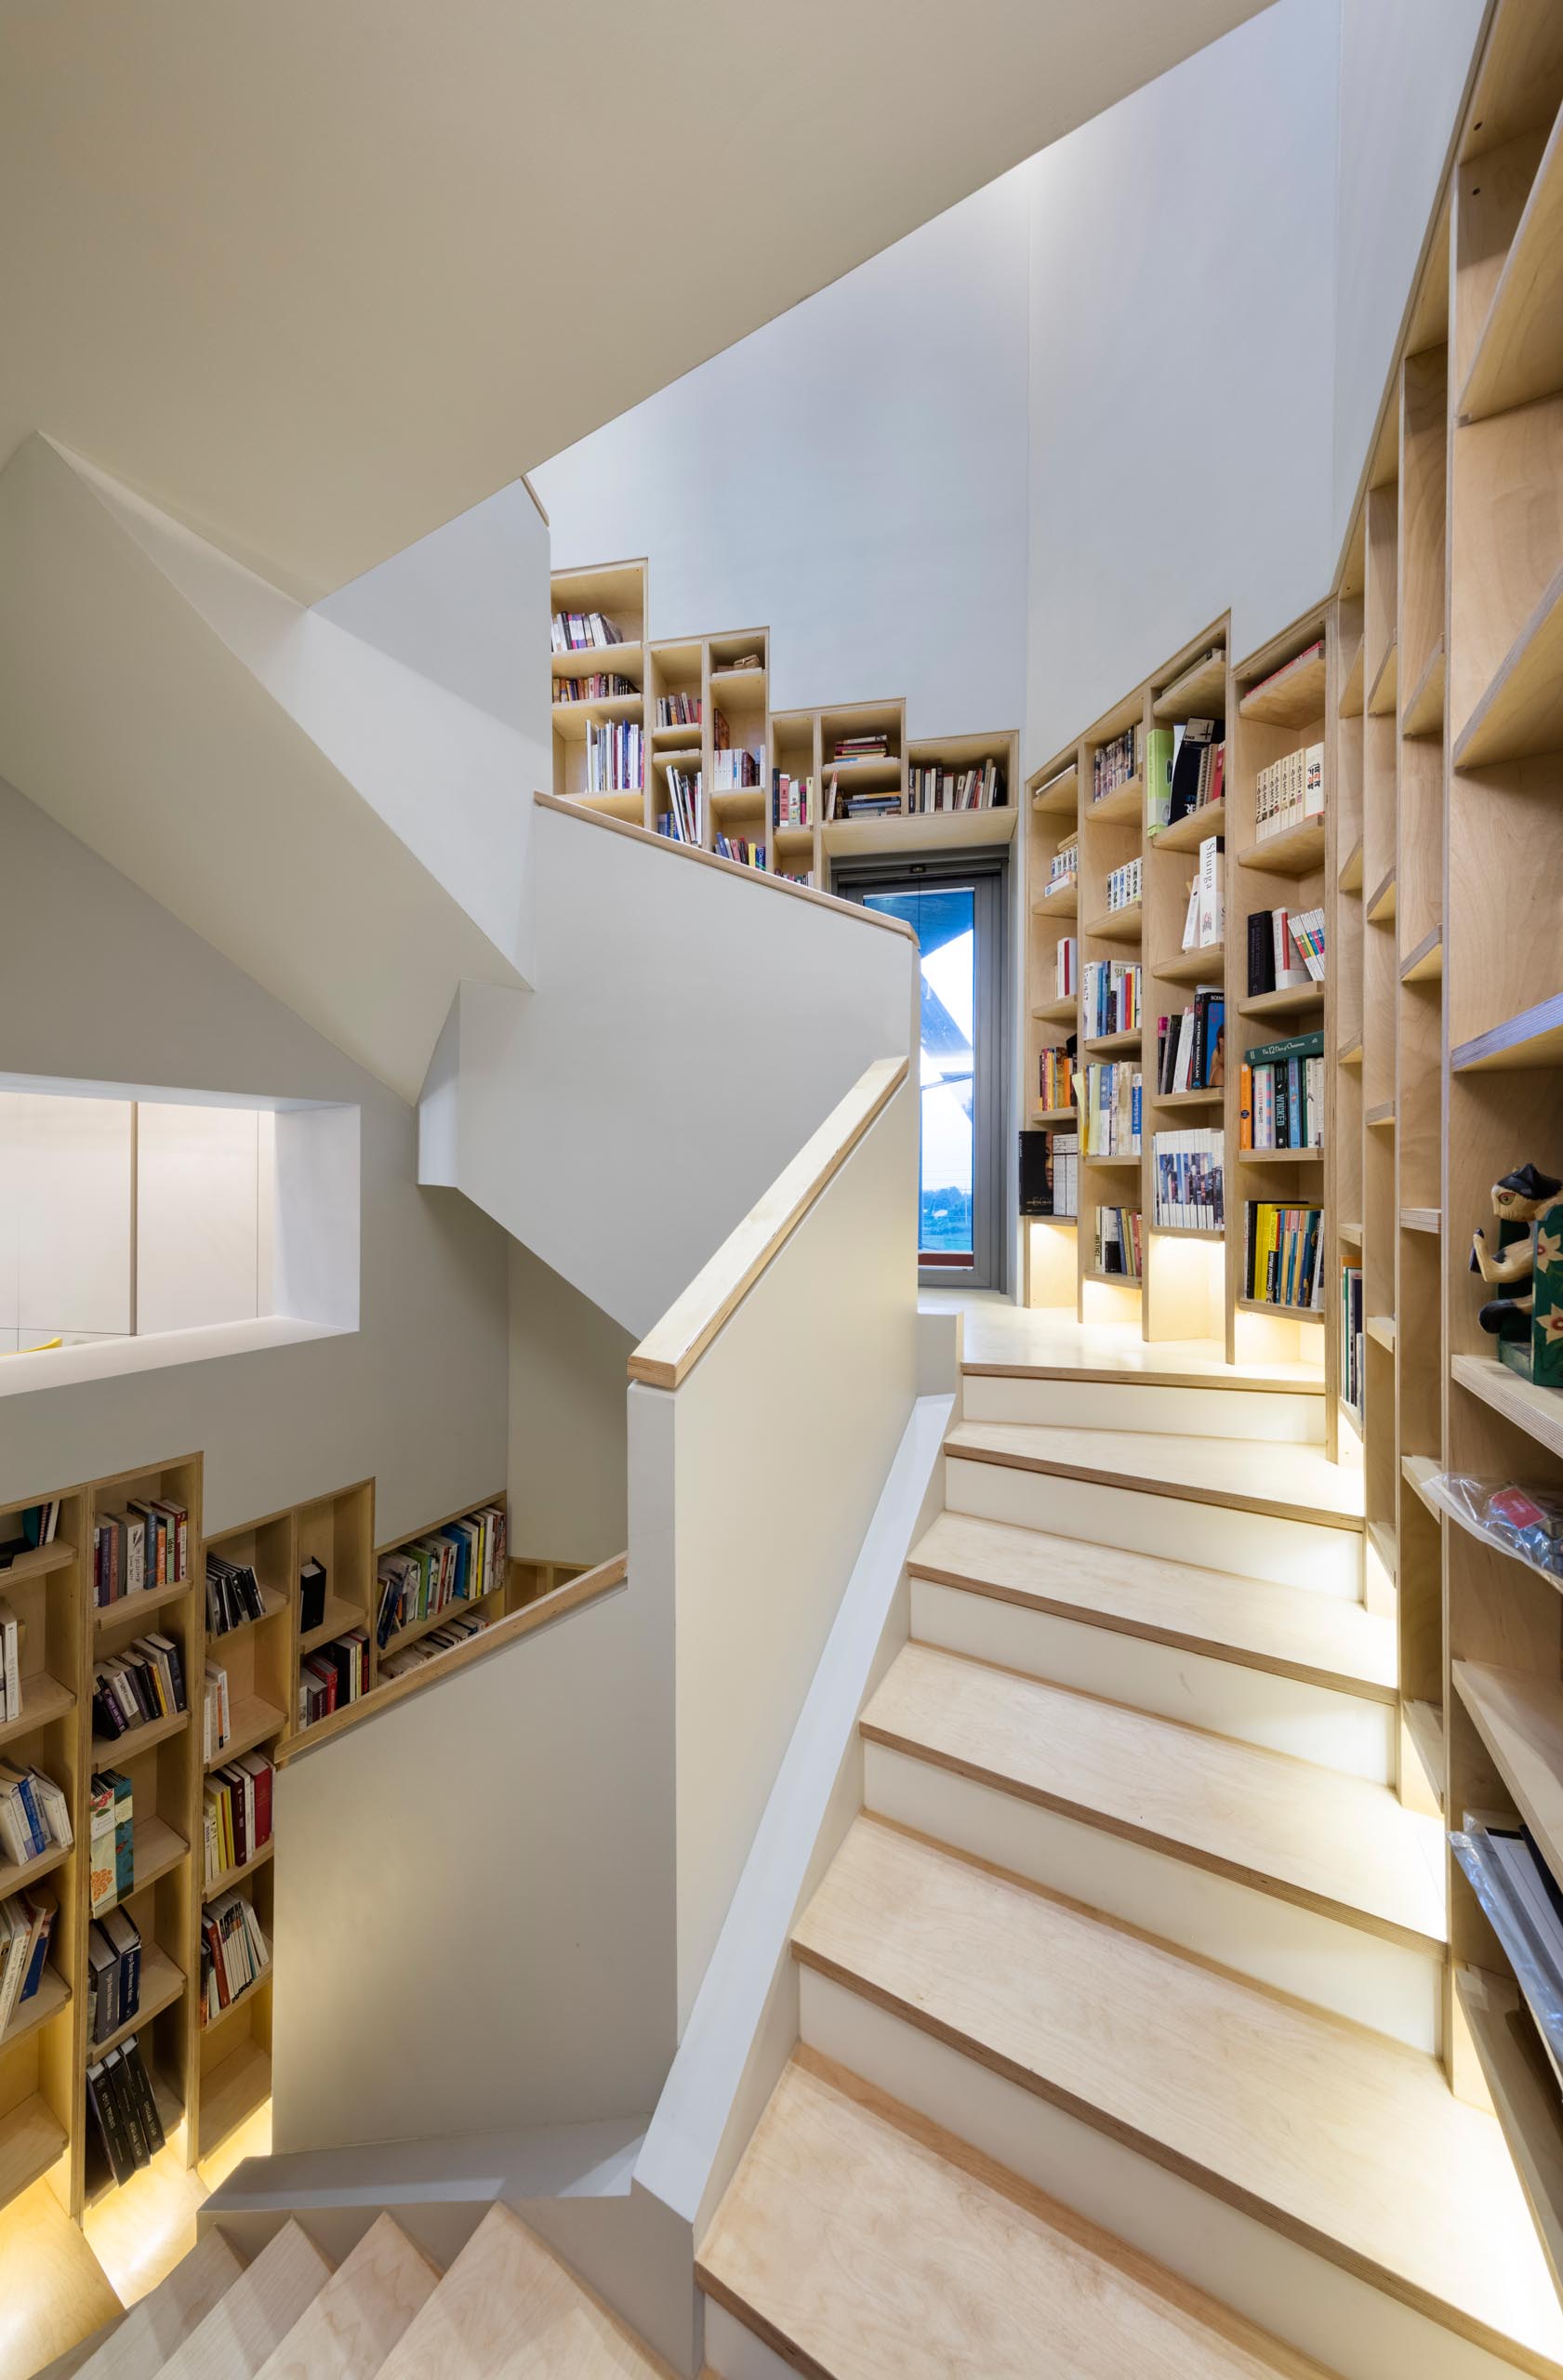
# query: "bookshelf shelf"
[[32, 2139], [1519, 1718], [1055, 1012], [1350, 879], [1059, 797], [1059, 901], [1212, 1098], [1199, 692], [159, 1849], [254, 1720], [1118, 925], [230, 2092], [1382, 1537], [1534, 1038], [1292, 696], [240, 2002], [274, 1604], [1426, 963], [42, 1561], [1187, 834], [132, 1610], [590, 660], [43, 1701], [1297, 999], [1429, 1218], [919, 830], [1519, 353], [1285, 1313], [1524, 2095], [1382, 902], [1382, 1118], [1350, 1053], [1125, 802], [1118, 1163], [572, 720], [1351, 687], [1112, 1044], [1416, 1470], [1115, 1281], [1424, 1724], [1381, 1326], [339, 1616], [1352, 1234], [1059, 1116], [1188, 1231], [52, 1995], [113, 1750], [162, 1983], [1424, 713], [1295, 852], [1383, 693], [1520, 712], [401, 1637], [1193, 966], [15, 1876], [1280, 1157], [1537, 1411], [236, 1875]]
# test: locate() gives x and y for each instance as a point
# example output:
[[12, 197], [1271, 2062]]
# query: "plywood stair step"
[[255, 2312], [861, 2241], [1322, 1639], [348, 2329], [1351, 2145], [1284, 1481], [140, 2343], [1307, 1834], [507, 2306]]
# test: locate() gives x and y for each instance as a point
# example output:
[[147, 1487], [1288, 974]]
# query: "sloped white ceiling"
[[316, 275]]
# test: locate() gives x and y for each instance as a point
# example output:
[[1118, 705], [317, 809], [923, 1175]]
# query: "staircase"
[[505, 2304], [1120, 2005]]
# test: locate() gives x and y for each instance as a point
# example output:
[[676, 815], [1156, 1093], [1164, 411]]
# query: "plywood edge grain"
[[673, 1346]]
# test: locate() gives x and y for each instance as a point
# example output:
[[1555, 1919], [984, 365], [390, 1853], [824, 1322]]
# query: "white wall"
[[848, 476], [99, 984], [1181, 319], [568, 1492], [1404, 65], [66, 1170]]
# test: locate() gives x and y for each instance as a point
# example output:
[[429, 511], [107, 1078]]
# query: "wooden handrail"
[[729, 867], [673, 1346], [569, 1597]]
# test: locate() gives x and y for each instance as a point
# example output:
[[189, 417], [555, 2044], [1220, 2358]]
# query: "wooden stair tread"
[[1313, 1835], [141, 2343], [861, 2240], [1322, 1638], [348, 2329], [1290, 1482], [255, 2312], [508, 2309], [1350, 2143]]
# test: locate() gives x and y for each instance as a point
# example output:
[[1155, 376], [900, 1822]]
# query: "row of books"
[[1185, 771], [1060, 1155], [1289, 792], [334, 1676], [739, 848], [442, 1639], [234, 1953], [796, 874], [143, 1683], [582, 631], [1055, 1079], [1191, 1047], [235, 1815], [111, 1839], [126, 2129], [26, 1930], [1114, 764], [615, 756], [1111, 1111], [677, 711], [733, 770], [233, 1596], [34, 1815], [1280, 1256], [680, 821], [1125, 884], [1352, 1338], [1118, 1242], [1189, 1188], [217, 1712], [600, 688], [113, 1967], [1065, 967], [933, 788], [147, 1545], [461, 1562], [40, 1523], [1280, 1102], [860, 805], [1064, 867], [1111, 1002], [872, 745], [793, 800], [1204, 922], [1284, 949], [11, 1692]]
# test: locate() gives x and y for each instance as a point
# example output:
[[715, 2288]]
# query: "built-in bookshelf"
[[208, 2071], [704, 759]]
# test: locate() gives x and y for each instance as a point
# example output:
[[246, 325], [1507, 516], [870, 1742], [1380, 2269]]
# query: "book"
[[1290, 792], [1198, 772], [1159, 745], [234, 1953], [680, 820], [602, 686], [1188, 1186], [793, 800], [1115, 763], [1066, 981], [125, 2128], [34, 1815], [233, 1596], [1125, 884], [582, 631], [931, 788], [1110, 998], [1191, 1047], [311, 1595], [1285, 949], [1352, 1338], [1118, 1242], [10, 1662], [615, 757], [677, 711], [1055, 1079]]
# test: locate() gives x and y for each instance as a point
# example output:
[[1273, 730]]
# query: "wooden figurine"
[[1517, 1200]]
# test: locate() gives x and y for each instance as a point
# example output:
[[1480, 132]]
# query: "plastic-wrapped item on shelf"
[[1524, 1522], [1510, 1880]]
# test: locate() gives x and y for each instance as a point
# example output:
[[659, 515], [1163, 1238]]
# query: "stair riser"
[[734, 2353], [1293, 1553], [1109, 1404], [1338, 1966], [1298, 2294], [1343, 1731]]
